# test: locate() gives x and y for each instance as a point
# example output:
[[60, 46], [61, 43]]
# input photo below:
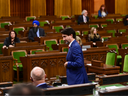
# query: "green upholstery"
[[123, 15], [77, 33], [61, 41], [104, 25], [114, 46], [105, 38], [96, 26], [18, 29], [125, 68], [110, 58], [17, 55], [111, 31], [57, 28], [49, 44], [119, 20], [65, 50], [29, 18], [85, 32], [64, 17], [42, 23], [124, 45], [68, 26], [1, 45], [117, 85], [110, 20], [119, 59], [95, 16], [3, 24], [122, 30], [33, 52]]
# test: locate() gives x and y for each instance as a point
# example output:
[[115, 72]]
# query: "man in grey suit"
[[35, 31]]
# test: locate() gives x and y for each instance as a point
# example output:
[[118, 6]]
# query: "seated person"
[[94, 36], [102, 12], [11, 40], [126, 20], [83, 18], [36, 31], [78, 39], [38, 78], [25, 90]]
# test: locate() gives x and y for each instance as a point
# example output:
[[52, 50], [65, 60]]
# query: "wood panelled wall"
[[49, 7], [37, 7], [19, 8], [110, 6], [121, 6], [97, 4], [88, 5], [4, 8]]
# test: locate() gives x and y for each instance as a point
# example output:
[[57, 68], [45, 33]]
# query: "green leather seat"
[[49, 43]]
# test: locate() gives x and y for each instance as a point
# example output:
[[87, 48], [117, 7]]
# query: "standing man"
[[83, 18], [76, 73], [36, 31]]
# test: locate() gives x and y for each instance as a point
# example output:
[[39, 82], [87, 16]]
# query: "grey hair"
[[83, 12]]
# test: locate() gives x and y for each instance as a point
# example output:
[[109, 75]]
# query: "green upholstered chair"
[[110, 19], [1, 45], [110, 58], [119, 19], [58, 28], [95, 16], [2, 24], [112, 31], [36, 50], [93, 25], [17, 63], [64, 49], [29, 18], [61, 41], [64, 17], [122, 30], [105, 38], [123, 15], [125, 66], [42, 23], [103, 25], [123, 45], [49, 43], [85, 32], [78, 33], [17, 29]]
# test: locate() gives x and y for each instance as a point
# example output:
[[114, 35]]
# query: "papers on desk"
[[89, 64]]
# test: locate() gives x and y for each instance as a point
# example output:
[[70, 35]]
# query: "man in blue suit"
[[38, 78], [76, 73]]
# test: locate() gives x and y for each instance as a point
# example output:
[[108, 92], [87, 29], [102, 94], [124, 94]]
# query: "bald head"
[[38, 74], [84, 12]]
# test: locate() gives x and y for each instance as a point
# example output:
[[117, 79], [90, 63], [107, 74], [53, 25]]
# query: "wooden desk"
[[6, 69], [106, 69], [7, 52]]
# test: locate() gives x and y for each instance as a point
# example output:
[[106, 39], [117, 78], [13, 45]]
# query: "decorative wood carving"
[[35, 63], [5, 66]]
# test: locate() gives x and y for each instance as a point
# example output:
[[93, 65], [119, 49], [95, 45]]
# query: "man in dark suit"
[[83, 18], [38, 78], [75, 69], [36, 31]]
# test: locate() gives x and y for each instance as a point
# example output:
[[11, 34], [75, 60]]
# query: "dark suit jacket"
[[31, 34], [44, 86], [7, 41], [80, 19], [76, 73]]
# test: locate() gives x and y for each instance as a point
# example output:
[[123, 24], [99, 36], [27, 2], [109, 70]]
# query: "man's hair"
[[39, 74], [26, 90], [69, 31], [83, 12]]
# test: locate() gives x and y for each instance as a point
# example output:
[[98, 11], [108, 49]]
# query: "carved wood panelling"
[[35, 63], [53, 62], [61, 61], [44, 63], [5, 66]]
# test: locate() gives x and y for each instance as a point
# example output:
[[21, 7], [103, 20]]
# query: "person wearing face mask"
[[94, 36], [35, 31], [11, 40]]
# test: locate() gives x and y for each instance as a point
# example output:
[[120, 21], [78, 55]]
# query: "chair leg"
[[17, 74]]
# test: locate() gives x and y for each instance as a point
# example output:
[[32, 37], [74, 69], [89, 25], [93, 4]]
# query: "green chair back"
[[110, 58], [49, 44], [85, 32], [110, 20], [104, 25], [18, 29], [122, 30], [96, 26], [1, 45], [124, 45], [65, 50], [29, 18], [112, 31], [3, 24], [119, 19], [105, 38], [42, 23], [125, 67], [77, 33], [33, 52], [57, 28], [61, 41], [64, 17], [95, 16], [114, 46], [123, 15]]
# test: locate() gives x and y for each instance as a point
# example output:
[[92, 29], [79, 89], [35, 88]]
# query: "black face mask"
[[35, 29]]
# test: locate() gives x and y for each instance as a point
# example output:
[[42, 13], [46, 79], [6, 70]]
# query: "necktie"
[[85, 19]]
